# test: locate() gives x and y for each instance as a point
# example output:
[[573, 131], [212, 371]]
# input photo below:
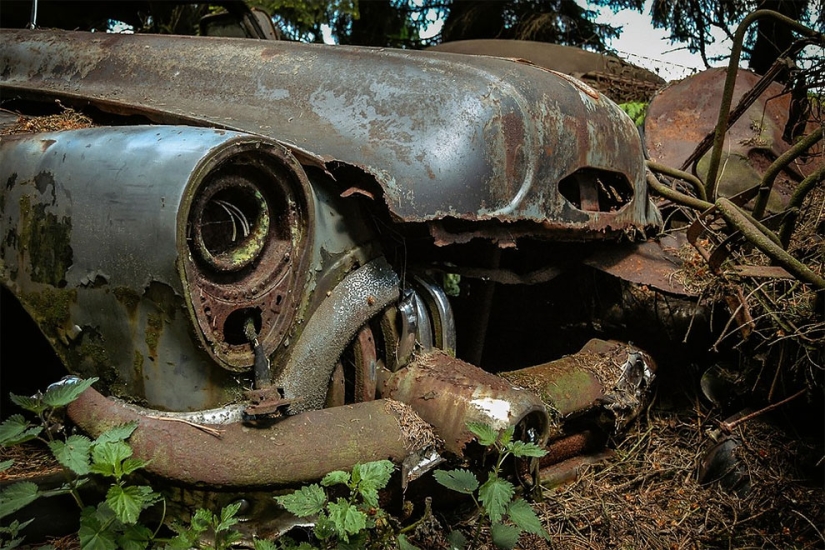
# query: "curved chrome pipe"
[[359, 297]]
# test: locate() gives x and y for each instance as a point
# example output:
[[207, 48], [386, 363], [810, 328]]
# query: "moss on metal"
[[51, 308], [154, 329], [47, 240], [128, 297]]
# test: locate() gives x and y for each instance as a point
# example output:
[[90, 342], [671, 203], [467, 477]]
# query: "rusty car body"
[[257, 235]]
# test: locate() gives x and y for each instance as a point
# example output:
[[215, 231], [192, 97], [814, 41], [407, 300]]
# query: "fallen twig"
[[207, 429]]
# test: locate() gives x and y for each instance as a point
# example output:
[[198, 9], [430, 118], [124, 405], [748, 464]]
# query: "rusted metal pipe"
[[293, 450], [604, 373], [448, 393], [572, 445]]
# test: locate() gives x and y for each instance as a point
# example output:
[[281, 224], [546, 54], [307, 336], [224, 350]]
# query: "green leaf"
[[263, 544], [462, 481], [505, 536], [522, 514], [523, 449], [17, 496], [306, 501], [457, 540], [118, 433], [228, 514], [131, 465], [31, 404], [94, 533], [507, 435], [335, 478], [356, 542], [73, 454], [15, 430], [371, 477], [348, 519], [324, 528], [67, 390], [375, 474], [404, 544], [6, 464], [107, 458], [486, 434], [495, 495], [127, 502], [135, 537], [229, 538], [203, 520]]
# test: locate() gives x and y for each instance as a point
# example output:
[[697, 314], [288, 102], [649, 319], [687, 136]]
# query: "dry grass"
[[649, 496], [69, 119]]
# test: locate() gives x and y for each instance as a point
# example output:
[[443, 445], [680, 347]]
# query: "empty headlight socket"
[[247, 243]]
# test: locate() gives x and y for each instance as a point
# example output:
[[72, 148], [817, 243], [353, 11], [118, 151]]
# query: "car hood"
[[443, 135]]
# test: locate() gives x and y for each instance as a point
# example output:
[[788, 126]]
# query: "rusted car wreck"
[[256, 235]]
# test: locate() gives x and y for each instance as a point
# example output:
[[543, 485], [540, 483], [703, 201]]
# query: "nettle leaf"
[[356, 542], [404, 544], [228, 518], [6, 464], [203, 520], [134, 537], [462, 481], [348, 519], [73, 454], [485, 434], [523, 449], [15, 430], [522, 514], [64, 392], [375, 474], [505, 536], [335, 478], [507, 435], [324, 528], [17, 496], [31, 404], [306, 501], [131, 465], [495, 495], [457, 540], [118, 433], [107, 458], [94, 533], [263, 544], [127, 502], [230, 538]]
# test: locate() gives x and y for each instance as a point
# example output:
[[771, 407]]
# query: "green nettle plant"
[[637, 110], [113, 523], [353, 521], [495, 499], [205, 524]]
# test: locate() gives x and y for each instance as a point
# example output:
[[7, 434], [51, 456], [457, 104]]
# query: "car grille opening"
[[593, 190]]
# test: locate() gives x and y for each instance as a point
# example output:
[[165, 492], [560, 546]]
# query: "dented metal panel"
[[96, 246], [445, 136]]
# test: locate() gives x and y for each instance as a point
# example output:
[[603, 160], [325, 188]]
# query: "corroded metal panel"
[[445, 136]]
